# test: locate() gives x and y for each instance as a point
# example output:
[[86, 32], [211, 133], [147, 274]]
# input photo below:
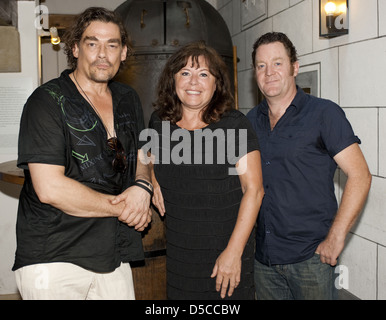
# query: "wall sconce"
[[333, 18], [53, 33]]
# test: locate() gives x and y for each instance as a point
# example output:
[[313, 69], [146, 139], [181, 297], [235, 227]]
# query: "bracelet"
[[148, 184], [144, 188]]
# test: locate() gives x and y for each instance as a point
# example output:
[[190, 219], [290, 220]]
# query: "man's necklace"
[[92, 105]]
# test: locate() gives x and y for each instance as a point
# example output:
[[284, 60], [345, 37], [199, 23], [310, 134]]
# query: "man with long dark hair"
[[78, 146]]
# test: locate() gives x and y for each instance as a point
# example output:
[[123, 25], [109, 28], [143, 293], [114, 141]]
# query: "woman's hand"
[[227, 270]]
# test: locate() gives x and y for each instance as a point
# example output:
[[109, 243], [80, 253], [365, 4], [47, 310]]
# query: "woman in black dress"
[[207, 178]]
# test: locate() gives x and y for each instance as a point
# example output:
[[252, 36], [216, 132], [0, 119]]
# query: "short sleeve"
[[41, 135], [337, 133]]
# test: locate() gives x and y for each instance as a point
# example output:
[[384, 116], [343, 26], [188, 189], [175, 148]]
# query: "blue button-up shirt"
[[298, 172]]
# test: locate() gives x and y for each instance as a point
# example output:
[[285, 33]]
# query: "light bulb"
[[330, 8], [54, 36], [342, 8]]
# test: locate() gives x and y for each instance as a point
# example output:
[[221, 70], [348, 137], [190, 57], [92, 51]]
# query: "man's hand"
[[137, 212], [330, 249]]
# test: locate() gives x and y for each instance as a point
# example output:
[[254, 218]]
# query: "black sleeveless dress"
[[202, 200]]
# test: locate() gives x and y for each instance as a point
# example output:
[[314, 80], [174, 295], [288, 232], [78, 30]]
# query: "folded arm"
[[68, 195]]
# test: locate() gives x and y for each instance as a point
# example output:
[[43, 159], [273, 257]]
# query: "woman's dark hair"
[[73, 35], [271, 37], [168, 104]]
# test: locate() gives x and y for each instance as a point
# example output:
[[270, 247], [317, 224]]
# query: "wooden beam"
[[61, 21]]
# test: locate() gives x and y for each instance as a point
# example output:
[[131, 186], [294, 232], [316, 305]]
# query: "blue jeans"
[[306, 280]]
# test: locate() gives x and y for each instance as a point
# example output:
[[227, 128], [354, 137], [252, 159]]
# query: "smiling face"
[[275, 73], [100, 51], [195, 85]]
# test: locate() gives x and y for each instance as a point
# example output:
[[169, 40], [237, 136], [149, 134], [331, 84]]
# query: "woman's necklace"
[[92, 105]]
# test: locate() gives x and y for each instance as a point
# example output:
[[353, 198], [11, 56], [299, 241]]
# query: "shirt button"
[[268, 163]]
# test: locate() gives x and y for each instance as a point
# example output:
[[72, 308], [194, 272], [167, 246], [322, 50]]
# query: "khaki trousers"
[[66, 281]]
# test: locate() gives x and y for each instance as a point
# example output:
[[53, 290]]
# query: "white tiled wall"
[[275, 7], [381, 17], [382, 143], [362, 68], [360, 257], [296, 22], [382, 273], [353, 74], [372, 224]]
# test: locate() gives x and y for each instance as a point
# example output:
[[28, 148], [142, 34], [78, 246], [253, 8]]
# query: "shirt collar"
[[297, 102]]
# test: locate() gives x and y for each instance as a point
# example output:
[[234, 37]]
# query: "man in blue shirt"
[[301, 232]]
